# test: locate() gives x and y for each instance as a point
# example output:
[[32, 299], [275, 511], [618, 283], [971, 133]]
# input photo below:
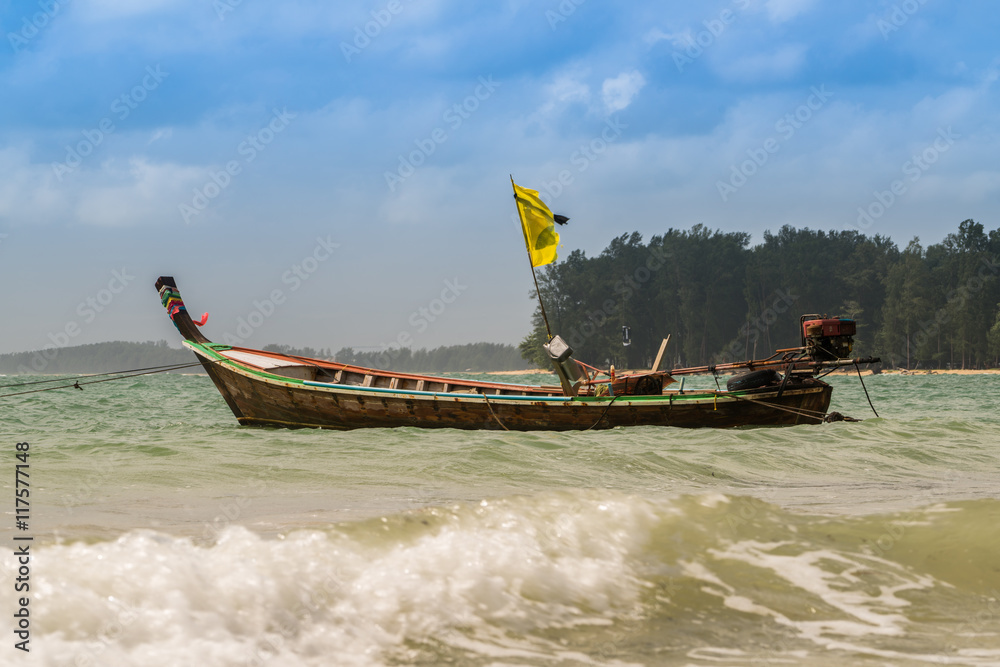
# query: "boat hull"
[[259, 400]]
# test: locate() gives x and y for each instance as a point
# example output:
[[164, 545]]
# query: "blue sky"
[[351, 160]]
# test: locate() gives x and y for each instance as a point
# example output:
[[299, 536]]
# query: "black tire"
[[753, 380]]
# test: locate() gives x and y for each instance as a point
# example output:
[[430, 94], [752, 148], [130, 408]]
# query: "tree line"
[[722, 299], [122, 355], [474, 357], [719, 298], [96, 358]]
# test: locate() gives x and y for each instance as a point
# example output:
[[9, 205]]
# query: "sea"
[[158, 531]]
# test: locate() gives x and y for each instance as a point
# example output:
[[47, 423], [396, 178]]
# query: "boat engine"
[[828, 338]]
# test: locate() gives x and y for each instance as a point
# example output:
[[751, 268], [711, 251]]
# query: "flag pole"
[[541, 305]]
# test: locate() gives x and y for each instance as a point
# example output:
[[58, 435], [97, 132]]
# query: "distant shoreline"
[[542, 371], [937, 371], [848, 371]]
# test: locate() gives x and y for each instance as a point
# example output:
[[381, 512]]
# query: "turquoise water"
[[166, 534]]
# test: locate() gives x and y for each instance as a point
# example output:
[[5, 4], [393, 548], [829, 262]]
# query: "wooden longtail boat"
[[269, 389]]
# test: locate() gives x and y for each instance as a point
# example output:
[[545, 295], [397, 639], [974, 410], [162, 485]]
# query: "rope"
[[865, 388], [122, 375], [487, 401], [601, 418], [151, 370], [818, 415], [95, 375], [802, 412]]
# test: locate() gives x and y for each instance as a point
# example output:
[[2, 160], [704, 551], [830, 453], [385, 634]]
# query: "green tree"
[[994, 338], [906, 307], [722, 300]]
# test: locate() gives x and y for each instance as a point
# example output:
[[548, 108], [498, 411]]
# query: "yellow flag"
[[538, 225]]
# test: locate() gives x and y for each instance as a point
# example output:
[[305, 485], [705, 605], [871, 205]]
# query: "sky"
[[338, 174]]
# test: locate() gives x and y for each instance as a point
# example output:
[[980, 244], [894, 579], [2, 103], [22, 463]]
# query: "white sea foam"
[[471, 579], [584, 577], [864, 589]]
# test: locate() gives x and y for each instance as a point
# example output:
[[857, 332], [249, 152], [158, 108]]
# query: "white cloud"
[[618, 93], [26, 191], [677, 39], [567, 88], [140, 192], [162, 133], [780, 11]]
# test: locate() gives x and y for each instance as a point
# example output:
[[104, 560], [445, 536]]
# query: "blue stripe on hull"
[[414, 392]]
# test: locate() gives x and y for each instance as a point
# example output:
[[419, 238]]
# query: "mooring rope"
[[818, 415], [97, 375], [865, 388], [487, 401], [601, 418], [122, 375]]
